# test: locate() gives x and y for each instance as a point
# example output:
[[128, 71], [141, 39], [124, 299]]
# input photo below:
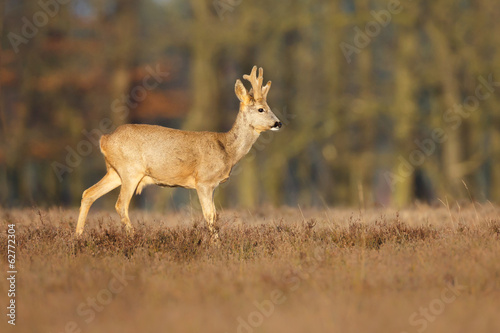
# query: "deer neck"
[[240, 138]]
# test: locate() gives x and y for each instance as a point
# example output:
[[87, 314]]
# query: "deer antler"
[[256, 82]]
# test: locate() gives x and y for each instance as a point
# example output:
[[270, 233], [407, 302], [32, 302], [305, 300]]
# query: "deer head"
[[253, 104]]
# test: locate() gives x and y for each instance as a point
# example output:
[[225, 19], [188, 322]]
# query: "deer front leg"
[[206, 196]]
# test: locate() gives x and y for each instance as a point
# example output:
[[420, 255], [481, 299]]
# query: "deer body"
[[139, 155]]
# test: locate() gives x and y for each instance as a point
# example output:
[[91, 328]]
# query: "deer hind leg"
[[109, 182], [206, 196], [126, 192]]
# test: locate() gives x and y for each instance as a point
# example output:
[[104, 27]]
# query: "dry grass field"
[[275, 270]]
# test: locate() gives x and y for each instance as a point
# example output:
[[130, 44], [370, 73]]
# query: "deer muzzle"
[[277, 125]]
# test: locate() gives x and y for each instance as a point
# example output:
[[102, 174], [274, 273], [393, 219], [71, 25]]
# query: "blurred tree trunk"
[[204, 113], [404, 112], [15, 115], [446, 67], [495, 162], [125, 34], [2, 15], [362, 117], [3, 126], [329, 83], [491, 113]]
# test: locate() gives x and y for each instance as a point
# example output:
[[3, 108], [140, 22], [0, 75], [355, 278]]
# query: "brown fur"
[[139, 155]]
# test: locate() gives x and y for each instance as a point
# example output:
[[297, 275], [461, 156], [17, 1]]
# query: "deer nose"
[[278, 124]]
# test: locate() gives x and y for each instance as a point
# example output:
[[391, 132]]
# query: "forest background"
[[383, 102]]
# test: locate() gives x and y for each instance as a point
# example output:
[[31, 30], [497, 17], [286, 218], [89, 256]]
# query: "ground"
[[274, 270]]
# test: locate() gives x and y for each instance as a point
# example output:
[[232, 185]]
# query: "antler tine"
[[252, 74], [261, 77], [256, 82]]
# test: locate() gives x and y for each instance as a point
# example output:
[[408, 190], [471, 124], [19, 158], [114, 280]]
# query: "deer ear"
[[266, 88], [241, 92]]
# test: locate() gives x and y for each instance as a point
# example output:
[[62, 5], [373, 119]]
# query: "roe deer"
[[139, 155]]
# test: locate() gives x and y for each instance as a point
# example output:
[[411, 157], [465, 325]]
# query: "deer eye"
[[261, 110]]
